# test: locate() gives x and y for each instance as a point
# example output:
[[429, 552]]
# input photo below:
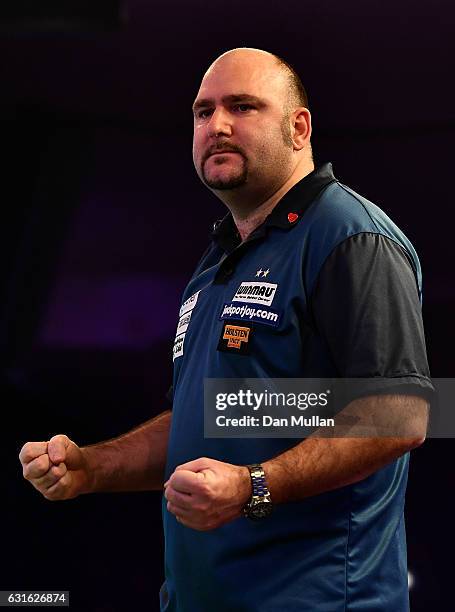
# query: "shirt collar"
[[286, 214]]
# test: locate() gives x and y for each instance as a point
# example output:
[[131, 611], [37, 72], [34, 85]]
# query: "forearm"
[[134, 461], [321, 464], [317, 465]]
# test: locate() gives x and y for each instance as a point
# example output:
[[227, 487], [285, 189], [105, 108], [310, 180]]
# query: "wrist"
[[87, 472], [281, 481]]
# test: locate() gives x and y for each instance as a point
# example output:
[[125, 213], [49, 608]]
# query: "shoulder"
[[342, 212], [340, 216]]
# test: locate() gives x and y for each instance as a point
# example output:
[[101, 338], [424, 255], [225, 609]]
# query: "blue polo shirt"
[[327, 286]]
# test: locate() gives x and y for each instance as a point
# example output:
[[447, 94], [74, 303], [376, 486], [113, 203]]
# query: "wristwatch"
[[260, 504]]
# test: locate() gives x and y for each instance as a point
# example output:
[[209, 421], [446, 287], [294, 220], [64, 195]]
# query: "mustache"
[[222, 147]]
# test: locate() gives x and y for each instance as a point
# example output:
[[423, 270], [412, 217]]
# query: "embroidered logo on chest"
[[235, 338], [256, 293], [178, 346], [185, 317]]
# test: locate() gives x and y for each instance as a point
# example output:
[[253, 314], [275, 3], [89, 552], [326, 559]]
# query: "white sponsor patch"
[[178, 346], [183, 323], [256, 293], [189, 304]]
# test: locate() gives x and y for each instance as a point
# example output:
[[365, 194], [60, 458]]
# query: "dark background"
[[103, 220]]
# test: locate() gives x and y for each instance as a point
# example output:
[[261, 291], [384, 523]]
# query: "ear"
[[301, 118]]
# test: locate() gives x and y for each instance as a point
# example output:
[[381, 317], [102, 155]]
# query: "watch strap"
[[258, 480]]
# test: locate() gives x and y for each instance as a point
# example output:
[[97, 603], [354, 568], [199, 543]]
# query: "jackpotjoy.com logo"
[[243, 312]]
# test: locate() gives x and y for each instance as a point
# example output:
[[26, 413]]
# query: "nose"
[[219, 124]]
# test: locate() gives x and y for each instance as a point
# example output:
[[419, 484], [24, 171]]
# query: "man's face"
[[241, 128]]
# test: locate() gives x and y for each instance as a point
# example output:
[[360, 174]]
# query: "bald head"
[[293, 90]]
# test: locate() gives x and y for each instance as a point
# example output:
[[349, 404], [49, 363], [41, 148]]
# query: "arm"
[[135, 461], [205, 493], [320, 464]]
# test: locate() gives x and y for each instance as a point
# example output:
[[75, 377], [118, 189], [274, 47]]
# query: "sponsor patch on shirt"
[[256, 293], [183, 323], [235, 338], [243, 312], [189, 304], [178, 346]]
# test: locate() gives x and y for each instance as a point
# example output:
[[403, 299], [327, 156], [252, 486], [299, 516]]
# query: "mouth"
[[223, 153], [218, 154]]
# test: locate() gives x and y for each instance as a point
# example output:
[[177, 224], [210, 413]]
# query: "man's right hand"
[[57, 468]]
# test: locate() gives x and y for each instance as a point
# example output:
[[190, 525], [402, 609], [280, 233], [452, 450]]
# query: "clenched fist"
[[57, 468], [205, 493]]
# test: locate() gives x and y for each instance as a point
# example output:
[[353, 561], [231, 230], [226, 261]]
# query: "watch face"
[[261, 510]]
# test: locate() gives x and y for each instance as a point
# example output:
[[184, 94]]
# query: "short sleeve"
[[365, 305]]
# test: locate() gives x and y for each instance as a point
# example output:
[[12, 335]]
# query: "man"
[[345, 283]]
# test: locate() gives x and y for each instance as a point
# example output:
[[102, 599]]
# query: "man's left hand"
[[205, 493]]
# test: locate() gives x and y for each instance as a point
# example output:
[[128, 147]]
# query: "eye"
[[243, 108], [204, 113]]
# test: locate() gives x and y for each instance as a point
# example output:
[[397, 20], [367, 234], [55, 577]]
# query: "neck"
[[249, 212]]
